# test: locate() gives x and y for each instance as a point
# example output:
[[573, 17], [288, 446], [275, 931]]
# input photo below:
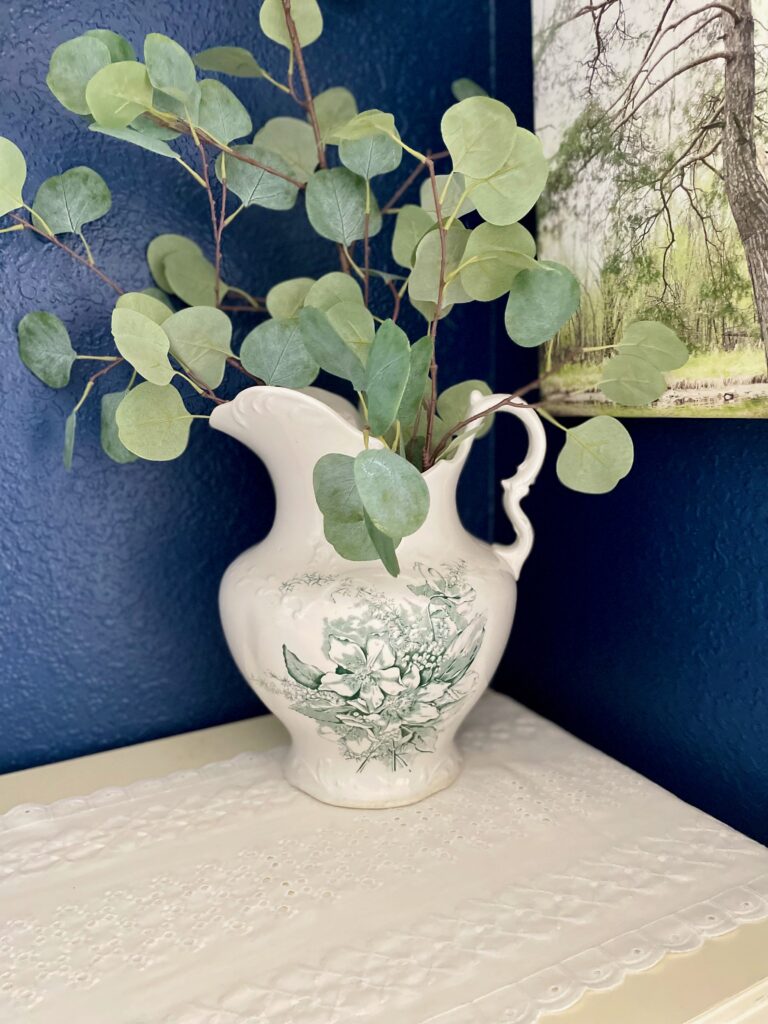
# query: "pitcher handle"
[[516, 487]]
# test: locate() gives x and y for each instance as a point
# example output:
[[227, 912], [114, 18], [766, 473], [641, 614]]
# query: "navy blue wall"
[[109, 629]]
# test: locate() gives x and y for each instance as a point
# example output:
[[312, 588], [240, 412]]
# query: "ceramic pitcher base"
[[325, 782]]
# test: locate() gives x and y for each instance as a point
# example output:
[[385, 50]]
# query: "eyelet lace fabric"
[[224, 896]]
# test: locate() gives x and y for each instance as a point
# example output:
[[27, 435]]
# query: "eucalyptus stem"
[[511, 399], [29, 226], [427, 458], [215, 218], [402, 189], [396, 299], [366, 245], [551, 419]]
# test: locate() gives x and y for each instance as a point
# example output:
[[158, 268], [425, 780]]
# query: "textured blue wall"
[[109, 629]]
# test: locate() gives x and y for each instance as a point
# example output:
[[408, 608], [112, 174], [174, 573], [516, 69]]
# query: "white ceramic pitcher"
[[372, 675]]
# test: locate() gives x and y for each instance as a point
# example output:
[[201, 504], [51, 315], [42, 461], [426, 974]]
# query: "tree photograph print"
[[654, 115]]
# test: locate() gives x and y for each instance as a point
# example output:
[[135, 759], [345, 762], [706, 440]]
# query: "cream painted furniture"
[[723, 982]]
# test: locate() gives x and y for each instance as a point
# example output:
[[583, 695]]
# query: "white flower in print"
[[369, 674]]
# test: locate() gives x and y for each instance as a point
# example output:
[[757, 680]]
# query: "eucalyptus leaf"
[[293, 140], [70, 428], [540, 302], [332, 288], [451, 193], [13, 174], [453, 404], [428, 309], [110, 438], [411, 224], [118, 93], [333, 479], [45, 348], [158, 146], [328, 350], [655, 343], [201, 340], [334, 108], [629, 380], [463, 88], [143, 343], [192, 277], [420, 357], [493, 257], [336, 206], [229, 60], [255, 186], [479, 133], [67, 201], [368, 123], [170, 68], [73, 64], [370, 156], [153, 423], [350, 540], [161, 247], [425, 277], [385, 547], [188, 110], [355, 326], [597, 454], [389, 364], [513, 191], [160, 295], [306, 16], [284, 300], [392, 491], [147, 305], [150, 129], [119, 47], [275, 352], [221, 114]]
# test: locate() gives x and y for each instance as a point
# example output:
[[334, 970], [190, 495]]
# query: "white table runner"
[[223, 896]]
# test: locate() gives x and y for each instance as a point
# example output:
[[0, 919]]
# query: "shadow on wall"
[[109, 630]]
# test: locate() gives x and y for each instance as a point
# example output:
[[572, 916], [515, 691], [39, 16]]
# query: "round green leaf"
[[392, 491], [119, 47], [67, 201], [453, 404], [385, 546], [425, 277], [493, 257], [170, 68], [336, 494], [143, 343], [332, 288], [284, 300], [147, 305], [428, 309], [479, 133], [336, 206], [306, 16], [13, 174], [73, 64], [110, 438], [463, 88], [540, 302], [160, 295], [153, 423], [192, 277], [221, 114], [420, 359], [275, 352], [189, 110], [411, 224], [508, 195], [655, 343], [389, 365], [229, 60], [149, 129], [350, 540], [118, 93], [328, 349], [334, 108], [596, 455], [293, 140], [253, 185], [375, 154], [631, 381], [45, 348], [139, 139], [162, 246], [354, 325], [450, 191], [201, 339], [368, 123]]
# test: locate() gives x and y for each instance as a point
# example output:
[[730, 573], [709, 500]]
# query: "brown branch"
[[396, 300], [507, 400], [718, 55], [100, 373], [240, 309], [215, 219], [427, 458], [235, 362], [29, 226], [399, 192], [309, 101]]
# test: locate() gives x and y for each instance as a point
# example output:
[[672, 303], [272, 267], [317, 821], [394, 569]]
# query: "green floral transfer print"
[[397, 668]]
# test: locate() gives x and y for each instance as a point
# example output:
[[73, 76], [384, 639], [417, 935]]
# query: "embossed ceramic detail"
[[398, 669], [372, 675]]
